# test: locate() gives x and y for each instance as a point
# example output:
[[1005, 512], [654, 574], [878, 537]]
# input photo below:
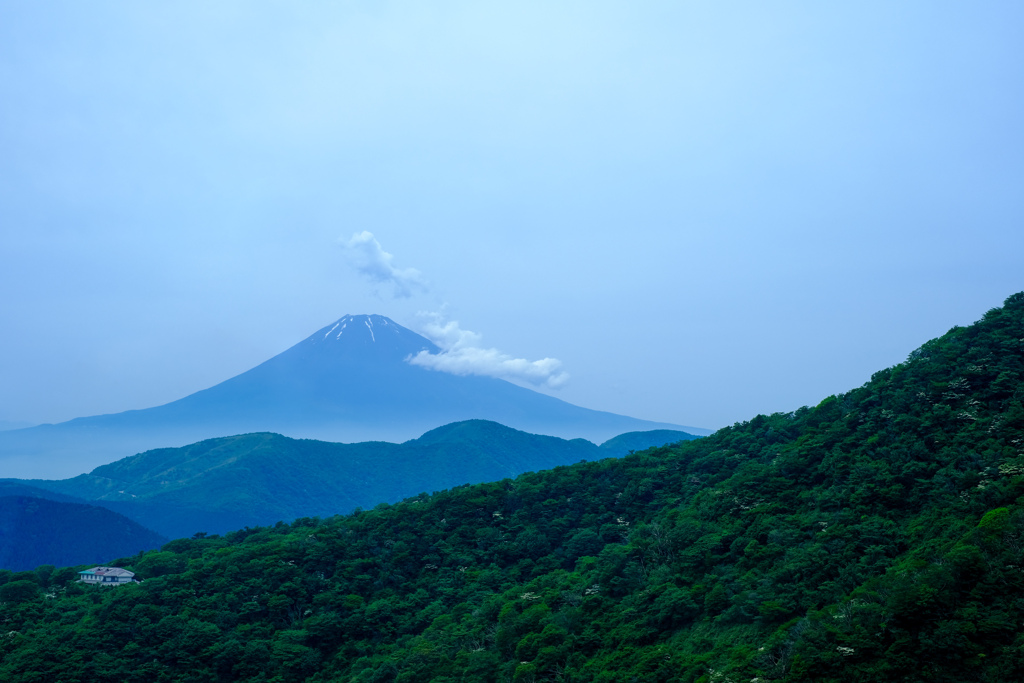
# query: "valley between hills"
[[877, 536]]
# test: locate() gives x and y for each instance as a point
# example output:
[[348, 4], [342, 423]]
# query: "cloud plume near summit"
[[370, 260], [462, 354]]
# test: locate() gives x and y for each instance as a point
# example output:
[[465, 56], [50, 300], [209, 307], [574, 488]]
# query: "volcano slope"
[[348, 382], [878, 536]]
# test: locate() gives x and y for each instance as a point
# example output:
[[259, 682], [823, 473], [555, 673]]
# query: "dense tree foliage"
[[878, 536]]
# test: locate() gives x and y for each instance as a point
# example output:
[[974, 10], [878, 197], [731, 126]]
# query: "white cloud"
[[368, 258], [462, 354]]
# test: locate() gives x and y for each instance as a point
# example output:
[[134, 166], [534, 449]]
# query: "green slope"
[[878, 536]]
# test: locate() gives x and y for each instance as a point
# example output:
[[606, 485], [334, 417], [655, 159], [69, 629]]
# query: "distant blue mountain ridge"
[[231, 482], [40, 529], [348, 382]]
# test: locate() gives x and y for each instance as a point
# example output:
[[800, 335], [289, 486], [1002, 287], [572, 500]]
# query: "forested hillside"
[[878, 536]]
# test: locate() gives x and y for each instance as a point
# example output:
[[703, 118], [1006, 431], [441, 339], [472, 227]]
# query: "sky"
[[689, 212]]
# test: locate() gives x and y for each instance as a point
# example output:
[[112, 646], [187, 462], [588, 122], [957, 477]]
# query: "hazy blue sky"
[[702, 210]]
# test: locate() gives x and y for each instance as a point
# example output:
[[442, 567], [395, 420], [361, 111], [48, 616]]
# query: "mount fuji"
[[349, 381]]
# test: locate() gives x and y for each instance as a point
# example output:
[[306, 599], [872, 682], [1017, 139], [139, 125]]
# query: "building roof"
[[109, 571]]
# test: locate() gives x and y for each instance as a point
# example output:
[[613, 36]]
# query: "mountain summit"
[[365, 336], [349, 381]]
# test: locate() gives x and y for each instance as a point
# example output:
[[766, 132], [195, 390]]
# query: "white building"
[[106, 576]]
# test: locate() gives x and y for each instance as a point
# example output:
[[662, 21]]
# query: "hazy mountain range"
[[35, 530], [232, 482], [348, 382]]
